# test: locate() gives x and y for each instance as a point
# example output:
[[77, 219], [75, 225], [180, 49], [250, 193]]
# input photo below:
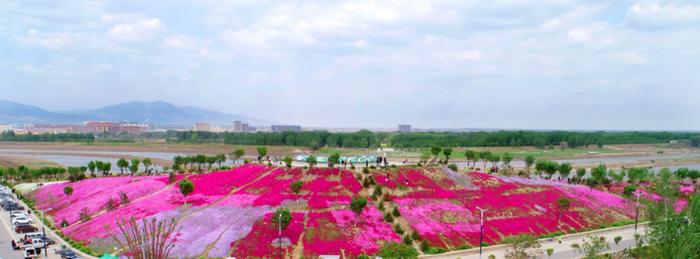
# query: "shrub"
[[365, 170], [453, 167], [407, 240], [85, 214], [381, 206], [363, 256], [435, 250], [123, 198], [388, 218], [64, 223], [110, 204], [282, 217], [398, 229], [394, 250], [629, 189], [396, 212], [377, 191], [424, 246], [415, 235]]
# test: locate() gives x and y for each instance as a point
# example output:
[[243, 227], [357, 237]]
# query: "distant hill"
[[158, 113]]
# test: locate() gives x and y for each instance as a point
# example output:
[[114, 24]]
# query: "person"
[[14, 245]]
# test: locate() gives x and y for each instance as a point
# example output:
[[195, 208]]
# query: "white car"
[[21, 220], [18, 213]]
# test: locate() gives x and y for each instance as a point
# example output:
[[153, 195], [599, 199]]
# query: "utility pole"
[[279, 241], [44, 239], [636, 214], [481, 236]]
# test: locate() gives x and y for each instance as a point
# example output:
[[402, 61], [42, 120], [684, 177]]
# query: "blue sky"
[[553, 64]]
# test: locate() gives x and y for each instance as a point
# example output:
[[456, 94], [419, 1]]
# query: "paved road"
[[562, 250]]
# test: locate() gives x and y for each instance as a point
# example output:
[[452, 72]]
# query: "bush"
[[415, 235], [629, 189], [394, 250], [110, 204], [435, 250], [377, 191], [381, 206], [453, 167], [398, 229], [363, 256], [365, 170], [85, 214], [424, 246], [396, 212], [407, 240], [123, 198], [388, 218]]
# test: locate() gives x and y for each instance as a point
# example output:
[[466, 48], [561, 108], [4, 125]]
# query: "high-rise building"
[[201, 126], [404, 127], [237, 126]]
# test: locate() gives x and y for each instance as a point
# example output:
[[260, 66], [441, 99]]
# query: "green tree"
[[333, 159], [237, 154], [435, 150], [91, 166], [358, 204], [529, 161], [580, 173], [599, 173], [106, 167], [507, 158], [186, 188], [288, 161], [485, 157], [296, 186], [220, 158], [565, 170], [397, 251], [519, 246], [471, 156], [146, 164], [311, 160], [68, 191], [447, 152], [122, 163], [262, 152], [617, 240], [550, 252], [281, 218], [593, 246], [134, 166]]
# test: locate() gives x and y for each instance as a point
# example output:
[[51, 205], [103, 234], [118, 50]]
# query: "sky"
[[546, 64]]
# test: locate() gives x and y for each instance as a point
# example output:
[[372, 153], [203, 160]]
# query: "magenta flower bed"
[[262, 240]]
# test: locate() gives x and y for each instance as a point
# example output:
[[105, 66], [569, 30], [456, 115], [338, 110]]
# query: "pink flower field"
[[230, 212]]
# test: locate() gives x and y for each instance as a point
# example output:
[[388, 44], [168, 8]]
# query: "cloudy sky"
[[554, 64]]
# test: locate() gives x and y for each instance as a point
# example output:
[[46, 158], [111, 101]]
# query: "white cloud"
[[635, 58], [136, 30], [652, 14], [51, 40], [599, 34]]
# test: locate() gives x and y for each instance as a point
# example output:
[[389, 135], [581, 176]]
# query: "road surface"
[[562, 250]]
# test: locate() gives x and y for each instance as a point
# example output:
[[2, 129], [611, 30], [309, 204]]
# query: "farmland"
[[230, 212]]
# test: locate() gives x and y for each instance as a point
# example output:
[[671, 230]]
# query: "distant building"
[[4, 128], [201, 126], [404, 127], [111, 127], [282, 128], [237, 126]]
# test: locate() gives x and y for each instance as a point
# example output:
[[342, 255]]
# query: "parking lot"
[[24, 228]]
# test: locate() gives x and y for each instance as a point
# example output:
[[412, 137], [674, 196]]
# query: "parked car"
[[30, 253], [14, 207], [48, 240], [66, 253], [18, 213], [21, 220], [36, 243], [25, 229]]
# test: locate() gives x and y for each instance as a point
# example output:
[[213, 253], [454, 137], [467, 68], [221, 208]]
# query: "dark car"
[[14, 207], [47, 240], [25, 229], [66, 254]]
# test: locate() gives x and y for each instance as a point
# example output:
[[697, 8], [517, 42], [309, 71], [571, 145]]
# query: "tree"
[[122, 164], [68, 191], [220, 158], [546, 166], [563, 205], [333, 159], [237, 154], [134, 166], [296, 186], [281, 218], [311, 160], [396, 250], [599, 173], [529, 161], [485, 157], [580, 173], [358, 204], [106, 167], [519, 246], [617, 240], [91, 166], [160, 236], [593, 246], [507, 158], [471, 156], [494, 159], [435, 150], [550, 251], [186, 187], [288, 161], [146, 164], [262, 152], [447, 152], [565, 170]]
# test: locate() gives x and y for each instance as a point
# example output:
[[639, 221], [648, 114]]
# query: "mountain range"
[[158, 113]]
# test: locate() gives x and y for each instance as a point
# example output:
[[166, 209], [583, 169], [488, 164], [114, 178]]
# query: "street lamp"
[[279, 241], [481, 236], [636, 214]]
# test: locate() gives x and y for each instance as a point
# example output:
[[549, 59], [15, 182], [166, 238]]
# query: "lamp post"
[[636, 214], [481, 236], [279, 241]]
